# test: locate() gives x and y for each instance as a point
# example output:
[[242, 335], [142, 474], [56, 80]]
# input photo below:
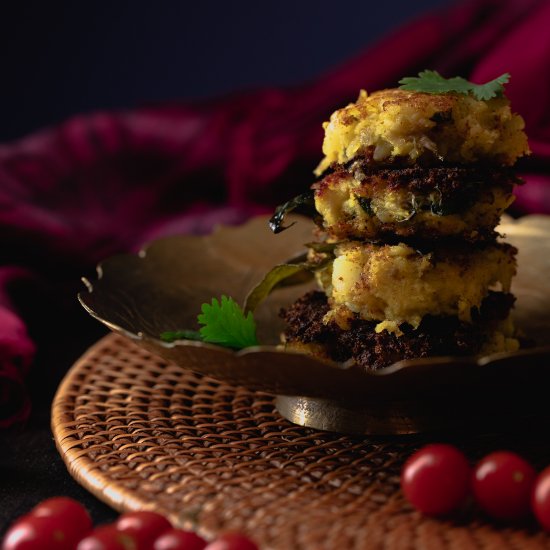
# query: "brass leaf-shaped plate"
[[162, 288]]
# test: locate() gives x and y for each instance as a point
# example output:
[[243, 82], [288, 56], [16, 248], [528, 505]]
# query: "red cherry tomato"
[[144, 527], [32, 533], [178, 539], [502, 485], [107, 537], [541, 499], [436, 479], [74, 516], [232, 541]]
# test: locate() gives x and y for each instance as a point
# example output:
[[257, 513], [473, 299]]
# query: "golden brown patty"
[[436, 336], [395, 284], [424, 203], [414, 127]]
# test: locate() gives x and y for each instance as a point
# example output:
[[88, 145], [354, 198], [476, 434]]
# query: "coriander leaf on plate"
[[225, 323]]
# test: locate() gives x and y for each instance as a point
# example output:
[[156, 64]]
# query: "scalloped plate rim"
[[141, 255]]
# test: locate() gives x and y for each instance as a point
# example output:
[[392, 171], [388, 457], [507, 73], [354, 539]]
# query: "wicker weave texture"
[[143, 434]]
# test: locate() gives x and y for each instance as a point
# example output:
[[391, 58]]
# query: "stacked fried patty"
[[362, 202], [414, 185]]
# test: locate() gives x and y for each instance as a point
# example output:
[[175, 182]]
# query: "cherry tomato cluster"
[[62, 523], [438, 479]]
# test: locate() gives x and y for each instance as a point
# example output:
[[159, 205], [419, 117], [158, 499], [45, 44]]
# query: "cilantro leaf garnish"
[[492, 88], [224, 323], [431, 82]]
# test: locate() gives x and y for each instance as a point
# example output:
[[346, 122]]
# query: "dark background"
[[63, 58]]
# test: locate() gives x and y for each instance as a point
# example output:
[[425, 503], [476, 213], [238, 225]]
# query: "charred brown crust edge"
[[436, 336], [427, 159], [443, 190], [426, 239], [417, 179]]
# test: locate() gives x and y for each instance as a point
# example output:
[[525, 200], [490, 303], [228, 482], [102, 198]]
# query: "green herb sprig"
[[223, 323], [226, 324], [431, 82]]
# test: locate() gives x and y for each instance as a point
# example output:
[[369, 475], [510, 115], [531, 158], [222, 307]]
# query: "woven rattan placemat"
[[140, 433]]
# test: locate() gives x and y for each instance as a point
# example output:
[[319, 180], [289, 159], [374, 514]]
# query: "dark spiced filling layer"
[[436, 336]]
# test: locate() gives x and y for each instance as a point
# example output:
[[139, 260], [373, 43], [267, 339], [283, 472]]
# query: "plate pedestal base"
[[349, 418], [446, 413]]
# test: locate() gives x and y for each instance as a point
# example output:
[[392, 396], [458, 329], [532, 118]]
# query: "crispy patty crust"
[[424, 203], [415, 127], [307, 331], [395, 284]]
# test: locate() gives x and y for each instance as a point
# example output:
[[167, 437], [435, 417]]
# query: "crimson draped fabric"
[[110, 181]]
